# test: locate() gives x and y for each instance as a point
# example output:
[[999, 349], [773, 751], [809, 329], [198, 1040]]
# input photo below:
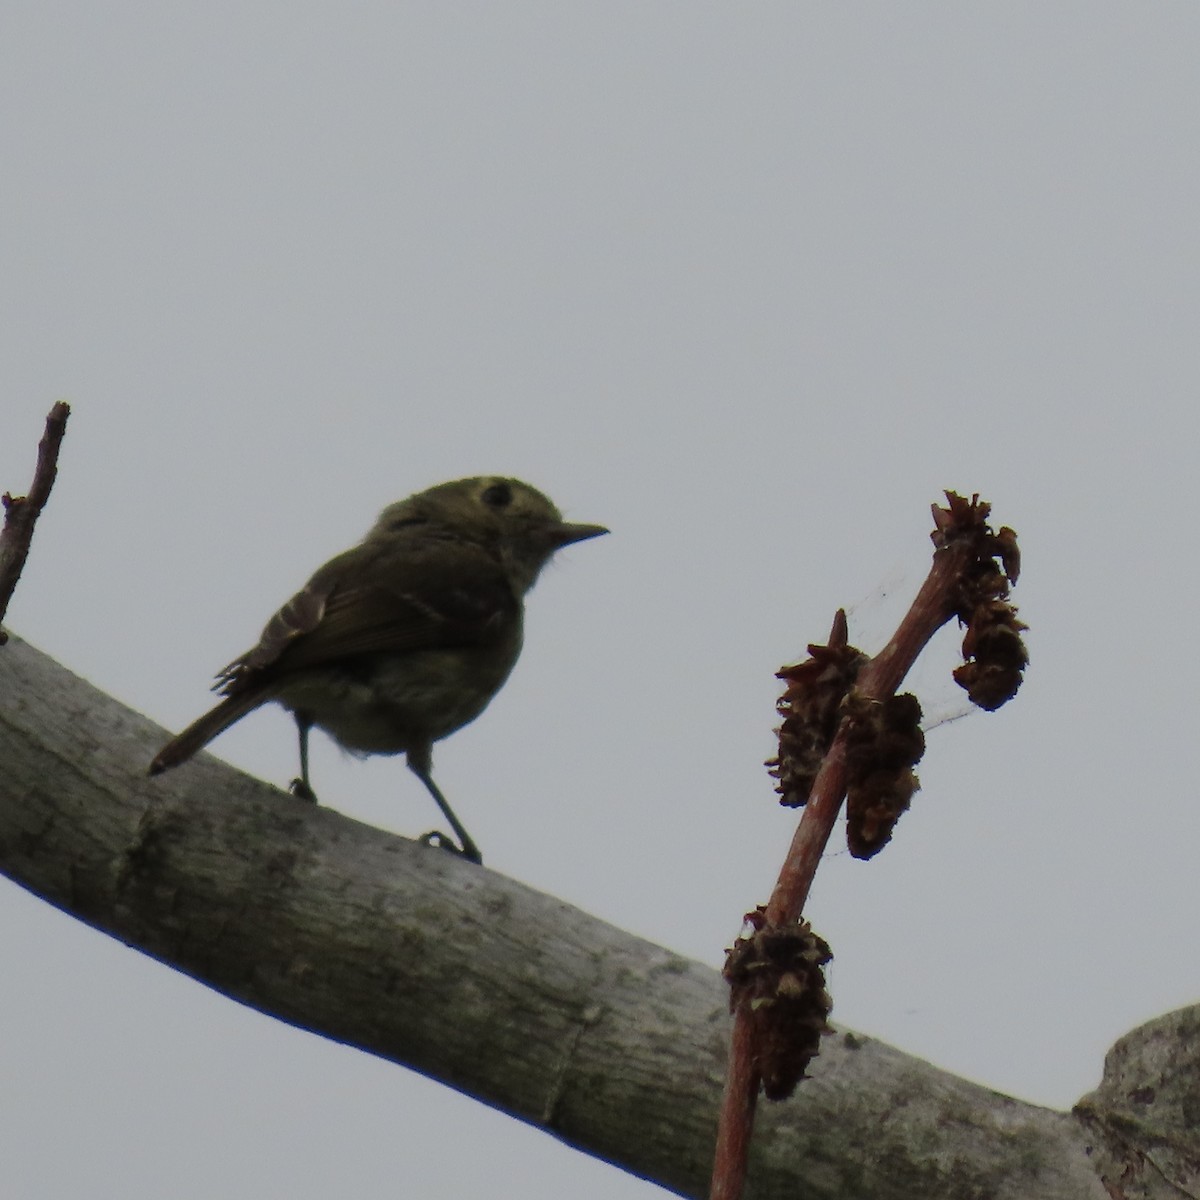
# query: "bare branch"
[[21, 512], [608, 1043]]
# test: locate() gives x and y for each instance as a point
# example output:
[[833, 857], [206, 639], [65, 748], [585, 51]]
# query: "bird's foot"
[[302, 791], [434, 838]]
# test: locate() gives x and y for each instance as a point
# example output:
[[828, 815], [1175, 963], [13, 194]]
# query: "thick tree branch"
[[612, 1044]]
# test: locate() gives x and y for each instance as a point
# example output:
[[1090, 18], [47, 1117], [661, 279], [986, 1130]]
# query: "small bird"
[[403, 639]]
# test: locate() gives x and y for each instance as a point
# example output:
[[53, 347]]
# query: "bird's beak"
[[564, 534]]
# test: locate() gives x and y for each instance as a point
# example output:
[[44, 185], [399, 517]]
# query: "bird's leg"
[[466, 847], [301, 788]]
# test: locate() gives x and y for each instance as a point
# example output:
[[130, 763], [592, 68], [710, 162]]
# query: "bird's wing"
[[372, 600]]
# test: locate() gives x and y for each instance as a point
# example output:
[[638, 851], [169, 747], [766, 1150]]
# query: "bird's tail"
[[200, 732]]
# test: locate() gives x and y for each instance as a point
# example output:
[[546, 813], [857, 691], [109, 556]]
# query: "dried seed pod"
[[994, 653], [1010, 554], [811, 709], [775, 973], [883, 743]]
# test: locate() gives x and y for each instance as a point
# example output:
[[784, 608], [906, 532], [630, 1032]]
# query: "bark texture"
[[608, 1042]]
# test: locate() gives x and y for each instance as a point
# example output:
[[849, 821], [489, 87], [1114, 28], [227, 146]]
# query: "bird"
[[404, 638]]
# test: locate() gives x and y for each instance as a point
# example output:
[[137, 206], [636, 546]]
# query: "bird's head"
[[504, 514]]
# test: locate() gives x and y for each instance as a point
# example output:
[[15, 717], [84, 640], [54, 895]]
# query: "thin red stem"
[[736, 1123]]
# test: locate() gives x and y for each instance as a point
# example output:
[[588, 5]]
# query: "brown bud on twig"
[[883, 743], [775, 976], [811, 709], [994, 653]]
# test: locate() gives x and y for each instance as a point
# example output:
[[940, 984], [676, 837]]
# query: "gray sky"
[[748, 284]]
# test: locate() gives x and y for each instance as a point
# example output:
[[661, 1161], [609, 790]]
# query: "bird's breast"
[[391, 703]]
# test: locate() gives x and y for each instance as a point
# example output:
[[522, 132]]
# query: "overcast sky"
[[750, 284]]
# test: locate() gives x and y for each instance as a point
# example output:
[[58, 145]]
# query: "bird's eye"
[[498, 495]]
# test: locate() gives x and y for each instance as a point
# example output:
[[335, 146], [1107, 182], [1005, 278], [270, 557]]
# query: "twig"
[[964, 541], [930, 610], [736, 1122], [21, 512]]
